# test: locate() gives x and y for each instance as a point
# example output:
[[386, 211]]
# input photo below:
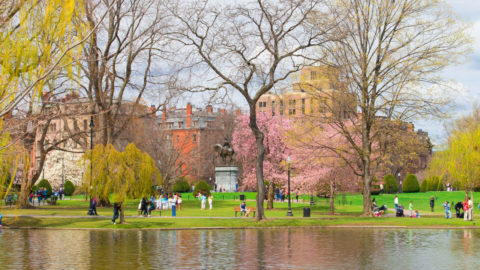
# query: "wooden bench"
[[249, 210], [52, 200], [10, 200]]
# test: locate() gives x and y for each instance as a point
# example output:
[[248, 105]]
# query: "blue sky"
[[466, 76]]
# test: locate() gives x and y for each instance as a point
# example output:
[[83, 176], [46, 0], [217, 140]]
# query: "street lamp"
[[289, 213], [92, 125]]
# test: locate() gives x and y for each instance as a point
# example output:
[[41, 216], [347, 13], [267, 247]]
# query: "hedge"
[[391, 185], [423, 185], [202, 187], [68, 188], [181, 185], [410, 184]]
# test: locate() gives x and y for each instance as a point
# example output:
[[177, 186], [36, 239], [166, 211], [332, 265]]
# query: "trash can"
[[306, 212], [242, 197]]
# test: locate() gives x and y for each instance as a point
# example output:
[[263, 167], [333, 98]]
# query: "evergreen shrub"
[[410, 185]]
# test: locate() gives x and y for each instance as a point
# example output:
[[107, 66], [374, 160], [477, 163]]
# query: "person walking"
[[203, 198], [410, 208], [470, 209], [448, 213], [395, 202], [116, 212], [465, 210], [210, 200], [179, 202], [432, 203]]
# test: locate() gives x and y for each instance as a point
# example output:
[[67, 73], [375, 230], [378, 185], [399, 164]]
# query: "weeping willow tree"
[[127, 175], [37, 39], [460, 161]]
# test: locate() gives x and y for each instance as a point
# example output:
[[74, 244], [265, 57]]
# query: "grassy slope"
[[349, 213]]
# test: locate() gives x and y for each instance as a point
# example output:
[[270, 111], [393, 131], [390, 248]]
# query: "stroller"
[[458, 207], [400, 211]]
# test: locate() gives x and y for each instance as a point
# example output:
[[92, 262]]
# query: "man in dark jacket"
[[116, 211]]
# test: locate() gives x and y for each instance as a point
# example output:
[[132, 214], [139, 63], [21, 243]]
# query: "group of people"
[[162, 202], [203, 199], [42, 195]]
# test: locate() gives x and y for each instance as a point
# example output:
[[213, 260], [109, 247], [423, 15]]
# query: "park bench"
[[52, 200], [249, 209], [10, 200]]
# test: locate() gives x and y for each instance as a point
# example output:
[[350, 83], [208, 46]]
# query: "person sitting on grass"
[[243, 208]]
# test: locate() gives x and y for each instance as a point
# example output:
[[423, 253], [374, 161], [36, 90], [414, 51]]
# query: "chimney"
[[189, 115], [223, 111], [209, 109], [152, 111], [164, 114]]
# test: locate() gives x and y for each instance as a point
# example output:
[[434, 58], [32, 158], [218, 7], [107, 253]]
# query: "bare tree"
[[248, 48], [389, 55], [122, 60]]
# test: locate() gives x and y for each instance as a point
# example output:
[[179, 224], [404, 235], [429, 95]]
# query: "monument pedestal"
[[226, 177]]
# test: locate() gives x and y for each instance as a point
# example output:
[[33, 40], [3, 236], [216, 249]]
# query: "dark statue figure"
[[225, 151]]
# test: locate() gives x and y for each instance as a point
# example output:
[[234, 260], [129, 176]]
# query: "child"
[[410, 208], [417, 214], [446, 206], [210, 199]]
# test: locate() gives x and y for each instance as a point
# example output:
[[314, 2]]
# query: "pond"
[[299, 248]]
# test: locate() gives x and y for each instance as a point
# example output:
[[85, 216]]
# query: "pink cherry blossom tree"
[[276, 151], [317, 166]]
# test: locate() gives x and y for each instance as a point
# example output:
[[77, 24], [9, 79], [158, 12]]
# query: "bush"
[[391, 185], [45, 184], [68, 188], [181, 185], [423, 185], [410, 184], [202, 187]]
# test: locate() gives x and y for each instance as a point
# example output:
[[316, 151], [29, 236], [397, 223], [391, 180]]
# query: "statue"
[[225, 151]]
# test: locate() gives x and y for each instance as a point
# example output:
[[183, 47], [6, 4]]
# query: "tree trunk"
[[259, 165], [104, 203], [122, 215], [271, 194], [332, 197], [24, 193]]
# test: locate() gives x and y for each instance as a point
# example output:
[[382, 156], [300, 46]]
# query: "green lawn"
[[348, 209]]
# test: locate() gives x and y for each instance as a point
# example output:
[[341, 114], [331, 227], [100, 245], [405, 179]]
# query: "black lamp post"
[[289, 213], [92, 125]]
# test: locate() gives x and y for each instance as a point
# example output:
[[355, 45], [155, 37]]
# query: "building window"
[[303, 109], [195, 123], [85, 124], [194, 137], [178, 138], [303, 101], [313, 75], [180, 124]]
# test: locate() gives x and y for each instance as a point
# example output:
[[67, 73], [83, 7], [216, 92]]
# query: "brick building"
[[193, 133]]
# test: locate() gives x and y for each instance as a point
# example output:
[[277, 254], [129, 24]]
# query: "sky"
[[465, 76]]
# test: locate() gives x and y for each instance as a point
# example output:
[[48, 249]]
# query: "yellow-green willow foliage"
[[37, 40], [460, 161], [127, 174]]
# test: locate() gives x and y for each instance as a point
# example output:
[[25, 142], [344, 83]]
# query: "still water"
[[241, 249]]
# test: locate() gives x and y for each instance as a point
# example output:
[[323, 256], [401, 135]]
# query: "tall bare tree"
[[247, 48], [388, 59], [122, 60]]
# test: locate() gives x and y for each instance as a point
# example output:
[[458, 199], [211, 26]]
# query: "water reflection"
[[241, 249]]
